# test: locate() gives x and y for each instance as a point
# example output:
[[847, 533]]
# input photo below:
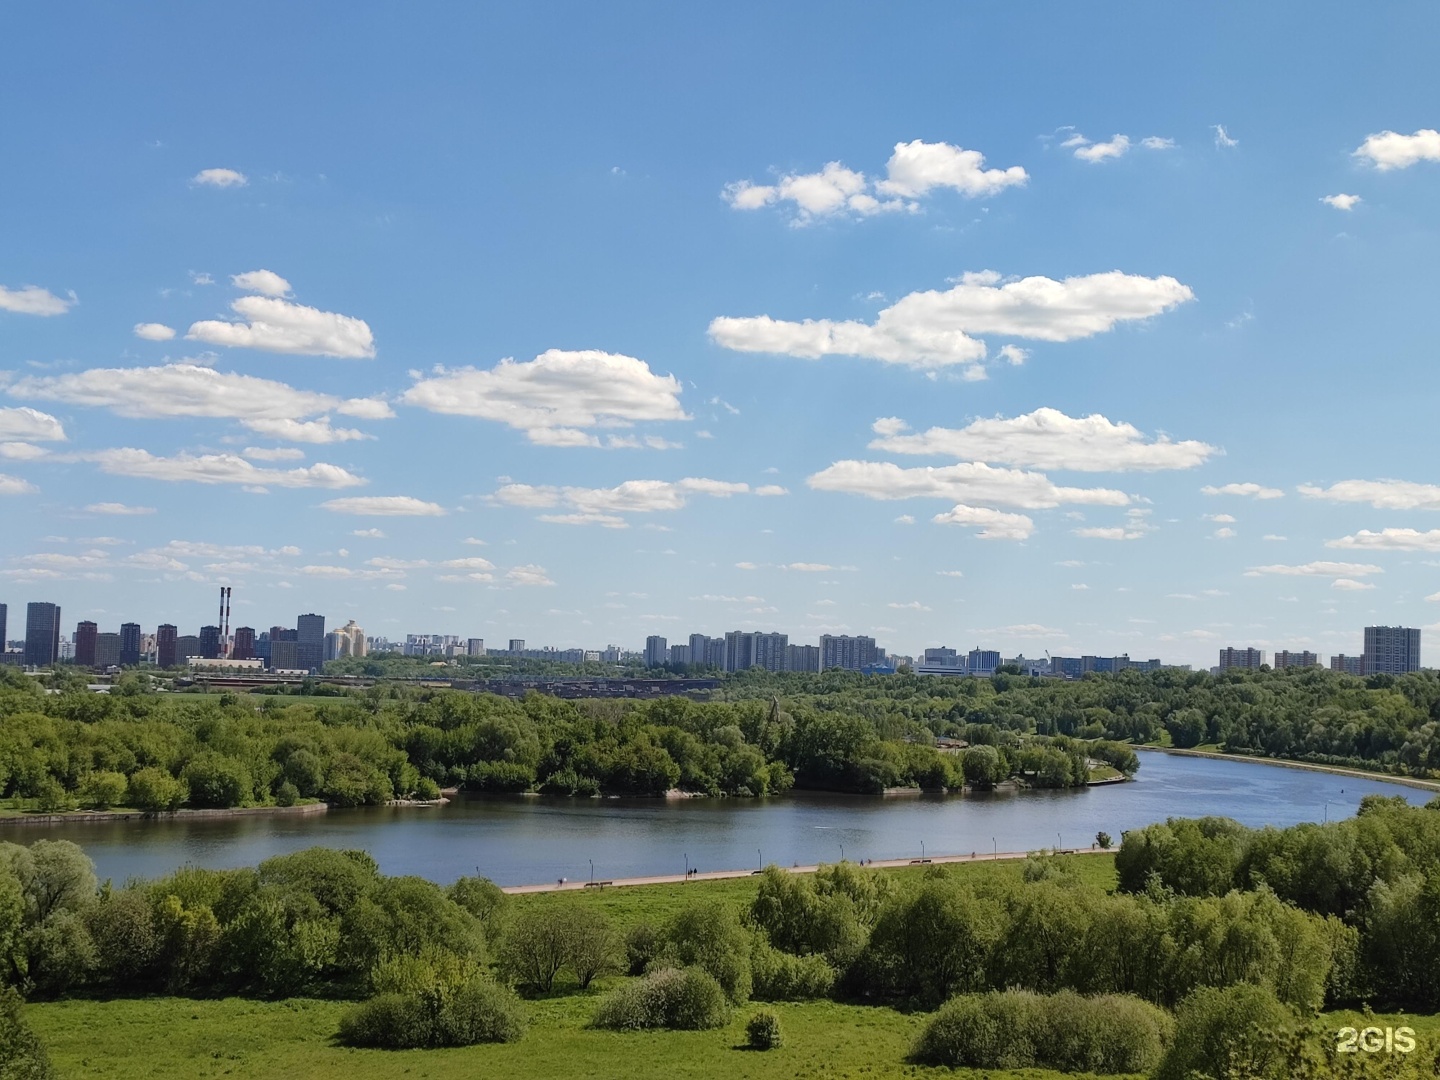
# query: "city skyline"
[[933, 353]]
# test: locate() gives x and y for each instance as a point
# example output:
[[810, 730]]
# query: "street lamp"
[[687, 869], [994, 847], [922, 849], [1059, 844], [592, 869], [842, 852]]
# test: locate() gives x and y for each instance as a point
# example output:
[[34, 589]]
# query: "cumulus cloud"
[[1223, 139], [1390, 150], [271, 324], [1317, 569], [771, 490], [369, 534], [261, 281], [119, 509], [969, 483], [556, 396], [188, 389], [13, 485], [600, 506], [1047, 439], [220, 178], [384, 506], [528, 575], [217, 469], [21, 451], [1341, 201], [1349, 585], [1381, 494], [993, 524], [30, 425], [935, 328], [273, 453], [1252, 490], [1112, 532], [1389, 540], [154, 331], [914, 170], [33, 300], [1093, 152]]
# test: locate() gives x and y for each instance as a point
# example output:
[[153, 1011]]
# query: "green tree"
[[155, 789], [102, 789]]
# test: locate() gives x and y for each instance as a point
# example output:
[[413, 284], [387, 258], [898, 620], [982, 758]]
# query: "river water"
[[527, 840]]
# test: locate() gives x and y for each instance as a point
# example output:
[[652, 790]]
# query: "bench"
[[597, 884]]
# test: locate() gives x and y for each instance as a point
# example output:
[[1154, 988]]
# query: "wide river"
[[528, 840]]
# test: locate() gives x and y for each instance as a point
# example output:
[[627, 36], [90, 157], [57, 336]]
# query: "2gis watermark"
[[1375, 1040]]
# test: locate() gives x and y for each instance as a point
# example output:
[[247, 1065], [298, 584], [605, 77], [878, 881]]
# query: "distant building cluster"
[[741, 650], [1389, 650]]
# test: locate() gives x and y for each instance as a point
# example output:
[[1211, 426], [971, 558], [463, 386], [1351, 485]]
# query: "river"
[[525, 840]]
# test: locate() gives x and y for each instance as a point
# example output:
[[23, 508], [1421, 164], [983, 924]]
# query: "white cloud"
[[21, 451], [188, 389], [30, 425], [528, 575], [1013, 355], [1220, 519], [554, 397], [1224, 533], [33, 300], [1389, 540], [200, 278], [905, 519], [261, 281], [1116, 532], [1081, 587], [1095, 152], [1156, 142], [1222, 137], [13, 485], [1341, 201], [770, 490], [1025, 630], [271, 324], [369, 534], [273, 453], [119, 509], [1317, 569], [1273, 536], [606, 521], [993, 524], [217, 469], [950, 573], [1254, 490], [914, 170], [913, 605], [598, 506], [933, 328], [1381, 494], [1348, 585], [220, 178], [1048, 439], [474, 541], [1389, 150], [969, 483], [154, 331], [306, 431], [384, 506]]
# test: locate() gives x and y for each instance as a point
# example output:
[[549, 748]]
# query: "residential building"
[[1350, 665], [165, 639], [129, 644], [1391, 650], [844, 651], [680, 654], [349, 640], [244, 645], [475, 646], [715, 653], [982, 662], [42, 634], [107, 651], [612, 654], [941, 661], [309, 641], [657, 651], [186, 646], [210, 642], [1243, 659], [699, 649], [1286, 659], [284, 654], [770, 651], [85, 643], [802, 658], [517, 646], [4, 616]]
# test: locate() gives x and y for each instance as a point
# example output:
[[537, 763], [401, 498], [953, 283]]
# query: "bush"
[[22, 1054], [1016, 1029], [287, 794], [642, 944], [217, 781], [683, 999], [763, 1032], [478, 1010], [155, 789], [427, 789], [101, 790], [708, 935], [779, 976], [1236, 1031]]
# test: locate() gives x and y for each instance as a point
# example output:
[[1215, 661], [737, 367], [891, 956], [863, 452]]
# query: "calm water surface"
[[525, 840]]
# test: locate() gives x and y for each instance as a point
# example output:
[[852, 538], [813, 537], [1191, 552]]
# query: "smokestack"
[[225, 631]]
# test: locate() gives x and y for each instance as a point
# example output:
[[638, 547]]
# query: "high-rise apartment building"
[[4, 615], [844, 651], [284, 654], [699, 649], [165, 641], [85, 643], [1391, 650], [129, 644], [309, 641], [802, 658], [42, 634], [1245, 659], [983, 662], [739, 650], [186, 646], [210, 642], [657, 651], [1286, 659], [680, 655], [770, 651], [244, 645], [1350, 665], [475, 646], [517, 646], [107, 651]]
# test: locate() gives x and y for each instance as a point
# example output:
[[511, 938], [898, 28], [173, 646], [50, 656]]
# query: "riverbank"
[[724, 875], [1284, 763], [100, 817]]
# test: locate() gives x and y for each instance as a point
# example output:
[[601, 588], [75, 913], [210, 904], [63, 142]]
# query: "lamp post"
[[1059, 844], [842, 852], [687, 869], [592, 869], [761, 855], [994, 847], [922, 849]]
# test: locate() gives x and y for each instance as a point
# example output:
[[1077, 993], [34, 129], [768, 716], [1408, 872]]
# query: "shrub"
[[102, 789], [763, 1032], [1236, 1031], [479, 896], [779, 976], [478, 1010], [1016, 1029], [684, 999], [22, 1054], [708, 935], [427, 789], [392, 1021], [287, 794], [642, 944], [218, 781], [481, 1010], [155, 789]]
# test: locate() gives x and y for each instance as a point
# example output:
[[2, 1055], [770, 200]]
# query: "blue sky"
[[558, 322]]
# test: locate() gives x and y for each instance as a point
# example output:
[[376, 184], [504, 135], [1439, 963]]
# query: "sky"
[[1038, 327]]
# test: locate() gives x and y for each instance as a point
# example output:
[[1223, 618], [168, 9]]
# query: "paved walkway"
[[720, 875]]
